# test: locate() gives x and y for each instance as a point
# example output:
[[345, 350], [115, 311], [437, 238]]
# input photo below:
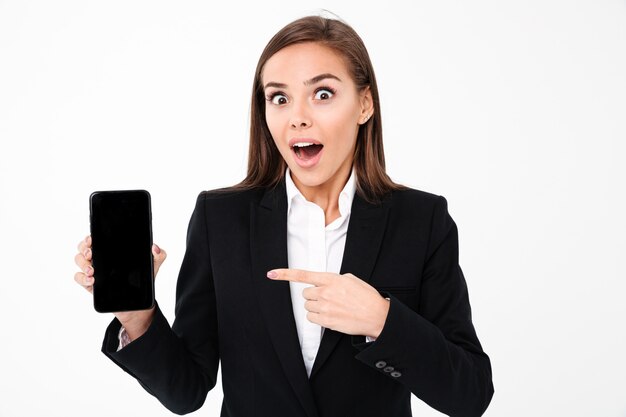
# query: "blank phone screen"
[[121, 235]]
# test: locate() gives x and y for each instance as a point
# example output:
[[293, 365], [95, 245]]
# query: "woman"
[[322, 287]]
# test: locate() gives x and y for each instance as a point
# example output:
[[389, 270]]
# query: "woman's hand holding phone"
[[135, 322]]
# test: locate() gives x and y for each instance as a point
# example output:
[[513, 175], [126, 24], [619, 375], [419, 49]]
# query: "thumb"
[[159, 256]]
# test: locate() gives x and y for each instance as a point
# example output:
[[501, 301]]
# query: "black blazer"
[[228, 311]]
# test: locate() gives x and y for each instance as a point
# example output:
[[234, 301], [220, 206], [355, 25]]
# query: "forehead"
[[299, 62]]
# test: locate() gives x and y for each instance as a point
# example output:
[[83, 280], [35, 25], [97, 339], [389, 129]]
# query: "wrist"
[[381, 317], [137, 324]]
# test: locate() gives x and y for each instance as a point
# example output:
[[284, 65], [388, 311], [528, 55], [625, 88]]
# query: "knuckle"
[[324, 293], [329, 309], [85, 243]]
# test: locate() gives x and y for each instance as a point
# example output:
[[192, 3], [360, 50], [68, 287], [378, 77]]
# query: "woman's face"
[[313, 111]]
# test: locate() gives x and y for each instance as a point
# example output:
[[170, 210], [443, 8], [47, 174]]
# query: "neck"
[[326, 195]]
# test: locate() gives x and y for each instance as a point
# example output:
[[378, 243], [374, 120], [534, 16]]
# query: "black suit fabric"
[[229, 312]]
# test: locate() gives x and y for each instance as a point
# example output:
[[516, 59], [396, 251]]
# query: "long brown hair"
[[266, 167]]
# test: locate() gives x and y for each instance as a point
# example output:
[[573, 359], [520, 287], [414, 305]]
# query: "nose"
[[300, 117]]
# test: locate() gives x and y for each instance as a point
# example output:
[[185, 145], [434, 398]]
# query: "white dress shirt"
[[314, 246]]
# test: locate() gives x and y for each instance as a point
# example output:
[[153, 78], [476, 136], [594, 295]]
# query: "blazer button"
[[381, 364], [388, 368], [396, 374]]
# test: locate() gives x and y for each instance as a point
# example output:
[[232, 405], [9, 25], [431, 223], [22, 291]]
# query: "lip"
[[293, 141], [310, 162]]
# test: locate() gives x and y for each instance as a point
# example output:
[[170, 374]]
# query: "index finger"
[[85, 243], [299, 275]]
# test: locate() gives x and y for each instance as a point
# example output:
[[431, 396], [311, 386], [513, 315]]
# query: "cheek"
[[274, 124], [344, 116], [341, 127]]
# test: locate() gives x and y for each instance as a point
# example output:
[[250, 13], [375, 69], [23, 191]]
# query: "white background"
[[514, 111]]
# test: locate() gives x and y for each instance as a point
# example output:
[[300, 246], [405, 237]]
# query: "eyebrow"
[[313, 80]]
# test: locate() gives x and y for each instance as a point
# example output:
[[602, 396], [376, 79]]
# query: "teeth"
[[303, 144]]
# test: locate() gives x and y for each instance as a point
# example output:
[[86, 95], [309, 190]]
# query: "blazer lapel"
[[364, 236], [268, 248]]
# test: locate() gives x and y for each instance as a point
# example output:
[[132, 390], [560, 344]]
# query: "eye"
[[277, 98], [324, 93]]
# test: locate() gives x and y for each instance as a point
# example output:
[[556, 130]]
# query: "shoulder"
[[224, 208], [414, 199], [232, 195], [230, 199], [414, 209]]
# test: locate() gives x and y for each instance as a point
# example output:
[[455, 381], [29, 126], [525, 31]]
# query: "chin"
[[308, 178]]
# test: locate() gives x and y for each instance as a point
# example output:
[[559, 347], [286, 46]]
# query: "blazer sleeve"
[[178, 364], [435, 351]]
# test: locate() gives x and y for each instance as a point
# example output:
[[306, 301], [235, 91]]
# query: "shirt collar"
[[345, 196]]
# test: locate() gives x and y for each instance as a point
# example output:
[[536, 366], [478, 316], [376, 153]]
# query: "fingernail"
[[86, 253], [272, 274], [88, 270], [88, 280], [156, 249]]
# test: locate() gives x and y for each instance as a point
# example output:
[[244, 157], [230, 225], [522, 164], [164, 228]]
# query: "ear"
[[367, 105]]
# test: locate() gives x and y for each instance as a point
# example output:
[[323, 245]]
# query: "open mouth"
[[307, 150]]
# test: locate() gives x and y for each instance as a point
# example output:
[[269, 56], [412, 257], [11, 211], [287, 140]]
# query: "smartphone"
[[121, 247]]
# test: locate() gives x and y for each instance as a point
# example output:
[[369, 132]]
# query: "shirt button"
[[396, 374], [381, 364], [388, 368]]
